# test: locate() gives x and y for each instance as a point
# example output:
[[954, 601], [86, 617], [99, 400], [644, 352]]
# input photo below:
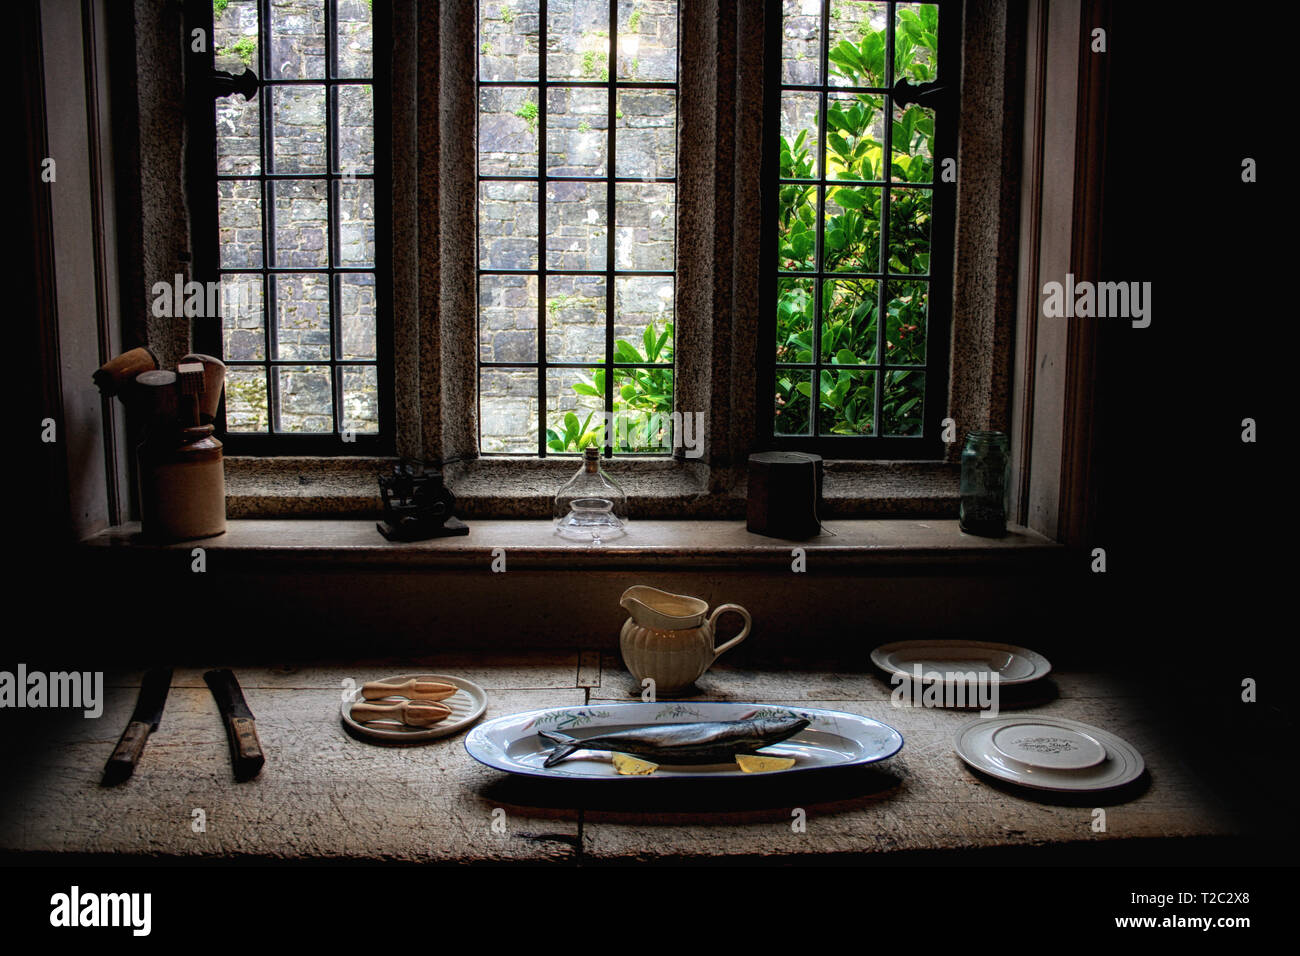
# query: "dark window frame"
[[201, 171], [929, 446]]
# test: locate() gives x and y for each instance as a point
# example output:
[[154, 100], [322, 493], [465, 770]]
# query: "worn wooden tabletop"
[[324, 795]]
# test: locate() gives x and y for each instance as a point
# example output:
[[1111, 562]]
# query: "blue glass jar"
[[985, 484]]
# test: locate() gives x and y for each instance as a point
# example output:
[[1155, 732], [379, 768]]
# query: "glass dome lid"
[[590, 506]]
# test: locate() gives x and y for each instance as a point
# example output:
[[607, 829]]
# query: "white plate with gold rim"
[[467, 705], [1048, 753], [1012, 664]]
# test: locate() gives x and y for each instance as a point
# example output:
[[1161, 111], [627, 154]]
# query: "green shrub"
[[642, 396]]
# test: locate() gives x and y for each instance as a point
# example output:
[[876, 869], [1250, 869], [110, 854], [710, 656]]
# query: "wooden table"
[[326, 796]]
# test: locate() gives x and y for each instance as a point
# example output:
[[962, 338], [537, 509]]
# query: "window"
[[495, 319], [296, 214], [577, 116], [857, 250]]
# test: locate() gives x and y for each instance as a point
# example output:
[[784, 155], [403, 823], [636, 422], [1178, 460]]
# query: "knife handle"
[[127, 752], [245, 748]]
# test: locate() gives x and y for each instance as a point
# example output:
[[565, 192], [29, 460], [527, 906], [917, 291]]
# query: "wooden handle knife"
[[144, 721], [245, 749]]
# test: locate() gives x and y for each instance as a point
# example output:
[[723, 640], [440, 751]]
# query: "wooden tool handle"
[[156, 391], [414, 689], [127, 752], [411, 713], [245, 748], [116, 374], [363, 712], [214, 377]]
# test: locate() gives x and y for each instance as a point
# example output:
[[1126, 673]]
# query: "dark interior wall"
[[48, 524], [110, 223], [1191, 510], [74, 219], [1192, 516], [296, 615]]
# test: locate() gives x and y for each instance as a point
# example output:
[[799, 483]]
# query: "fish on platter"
[[703, 742]]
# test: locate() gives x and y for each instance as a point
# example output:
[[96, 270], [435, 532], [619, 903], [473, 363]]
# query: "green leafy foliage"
[[851, 243], [643, 399], [573, 436], [244, 48], [528, 113]]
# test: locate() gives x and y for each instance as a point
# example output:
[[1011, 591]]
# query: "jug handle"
[[719, 651]]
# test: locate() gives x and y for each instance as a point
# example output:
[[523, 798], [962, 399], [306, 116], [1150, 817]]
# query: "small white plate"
[[1036, 744], [833, 739], [1013, 665], [1121, 763], [467, 705]]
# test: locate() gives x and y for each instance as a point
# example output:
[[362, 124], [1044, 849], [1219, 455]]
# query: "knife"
[[245, 749], [144, 721]]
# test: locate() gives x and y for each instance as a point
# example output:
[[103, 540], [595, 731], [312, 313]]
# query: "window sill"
[[892, 544], [490, 488]]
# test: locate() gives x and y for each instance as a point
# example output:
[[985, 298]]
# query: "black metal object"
[[224, 84], [542, 84], [417, 505], [203, 187], [941, 96], [931, 94]]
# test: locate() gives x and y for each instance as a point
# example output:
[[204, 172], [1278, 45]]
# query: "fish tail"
[[564, 745]]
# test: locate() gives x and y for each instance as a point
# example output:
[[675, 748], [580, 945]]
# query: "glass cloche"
[[591, 506]]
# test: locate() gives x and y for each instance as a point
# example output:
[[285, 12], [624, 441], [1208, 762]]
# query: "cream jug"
[[669, 639]]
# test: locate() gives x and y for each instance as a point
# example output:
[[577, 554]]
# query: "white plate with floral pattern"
[[1048, 753], [832, 739]]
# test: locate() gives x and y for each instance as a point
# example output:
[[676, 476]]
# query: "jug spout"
[[663, 610]]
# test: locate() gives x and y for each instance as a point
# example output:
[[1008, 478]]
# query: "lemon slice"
[[756, 764], [633, 766]]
